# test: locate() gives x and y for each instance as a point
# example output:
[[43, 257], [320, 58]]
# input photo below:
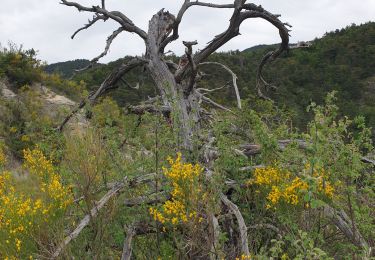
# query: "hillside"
[[67, 68], [342, 60]]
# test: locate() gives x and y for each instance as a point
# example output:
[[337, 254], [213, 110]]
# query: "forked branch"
[[90, 23], [106, 49], [117, 16], [101, 13], [241, 12], [234, 80]]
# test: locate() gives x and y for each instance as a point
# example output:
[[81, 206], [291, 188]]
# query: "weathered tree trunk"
[[184, 108]]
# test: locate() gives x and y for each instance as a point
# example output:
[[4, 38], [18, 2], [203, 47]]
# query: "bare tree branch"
[[151, 199], [211, 90], [127, 249], [108, 84], [234, 80], [215, 233], [210, 101], [117, 16], [86, 220], [90, 23], [241, 13], [187, 4], [117, 188], [105, 52], [241, 223], [343, 222]]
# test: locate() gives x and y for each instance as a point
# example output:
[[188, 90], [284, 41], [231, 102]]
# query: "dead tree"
[[177, 83]]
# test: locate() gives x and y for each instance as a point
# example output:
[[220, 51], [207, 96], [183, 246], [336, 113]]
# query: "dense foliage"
[[22, 68], [67, 68], [342, 60]]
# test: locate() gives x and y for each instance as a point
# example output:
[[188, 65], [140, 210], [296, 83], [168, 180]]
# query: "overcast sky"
[[46, 25]]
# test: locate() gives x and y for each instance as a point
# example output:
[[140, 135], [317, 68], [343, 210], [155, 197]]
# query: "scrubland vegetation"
[[124, 180]]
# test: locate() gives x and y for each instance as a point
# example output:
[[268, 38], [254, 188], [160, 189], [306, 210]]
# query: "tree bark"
[[185, 108]]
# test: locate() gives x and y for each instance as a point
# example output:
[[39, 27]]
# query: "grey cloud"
[[47, 26]]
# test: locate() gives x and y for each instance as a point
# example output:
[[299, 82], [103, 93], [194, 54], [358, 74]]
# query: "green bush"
[[20, 66]]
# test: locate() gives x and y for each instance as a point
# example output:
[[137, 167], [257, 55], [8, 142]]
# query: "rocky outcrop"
[[55, 105], [5, 91]]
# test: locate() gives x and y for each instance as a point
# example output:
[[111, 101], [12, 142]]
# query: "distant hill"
[[259, 47], [342, 60], [66, 68]]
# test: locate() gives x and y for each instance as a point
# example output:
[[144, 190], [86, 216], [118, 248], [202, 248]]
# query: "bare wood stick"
[[116, 189], [151, 199], [210, 101], [234, 80], [71, 114], [108, 84], [215, 233], [106, 49], [89, 24], [93, 213], [241, 223], [343, 222], [117, 16], [127, 249]]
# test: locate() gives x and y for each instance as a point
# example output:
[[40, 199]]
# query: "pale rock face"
[[53, 98], [55, 105], [5, 91]]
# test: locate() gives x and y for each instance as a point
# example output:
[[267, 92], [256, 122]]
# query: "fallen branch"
[[215, 233], [241, 223], [127, 249], [151, 199], [93, 213], [154, 109], [343, 222], [210, 101], [116, 189], [253, 149], [251, 168]]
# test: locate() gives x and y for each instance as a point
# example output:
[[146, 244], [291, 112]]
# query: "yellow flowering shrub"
[[186, 193], [2, 157], [283, 187], [24, 215], [244, 257]]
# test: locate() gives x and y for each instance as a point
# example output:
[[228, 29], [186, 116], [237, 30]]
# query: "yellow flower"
[[25, 138], [18, 244], [2, 157], [13, 129], [186, 193]]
